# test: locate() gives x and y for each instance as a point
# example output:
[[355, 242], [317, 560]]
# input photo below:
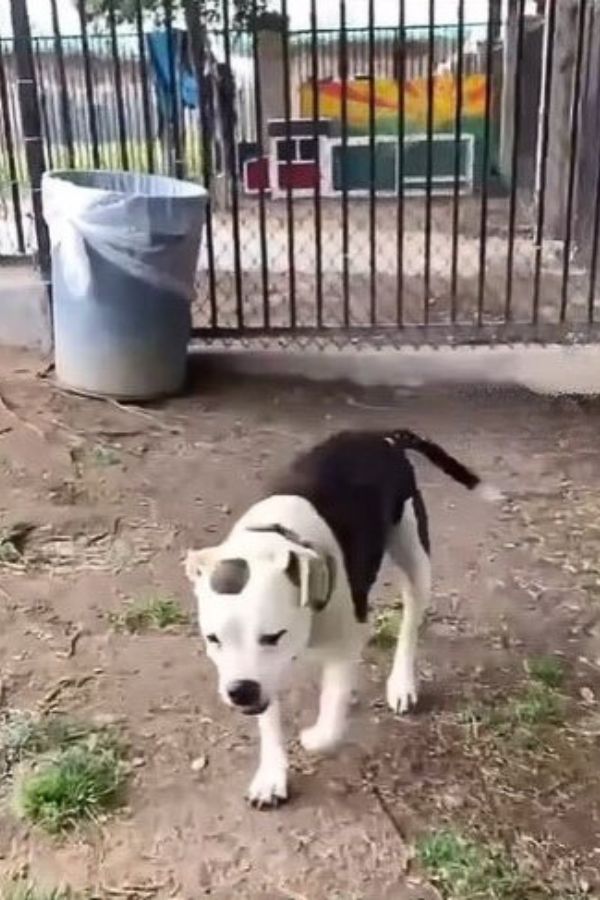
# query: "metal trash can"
[[124, 258]]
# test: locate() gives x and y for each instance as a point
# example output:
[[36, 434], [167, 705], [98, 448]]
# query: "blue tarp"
[[167, 57]]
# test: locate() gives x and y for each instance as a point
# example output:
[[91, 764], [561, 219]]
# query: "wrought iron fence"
[[399, 181]]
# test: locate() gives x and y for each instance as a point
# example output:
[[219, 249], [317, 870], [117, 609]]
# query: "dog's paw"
[[317, 740], [402, 692], [268, 788]]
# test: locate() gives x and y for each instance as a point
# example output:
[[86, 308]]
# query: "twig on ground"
[[128, 408], [43, 373], [359, 404], [24, 423], [70, 652], [385, 808], [134, 891], [48, 700], [53, 693], [144, 414]]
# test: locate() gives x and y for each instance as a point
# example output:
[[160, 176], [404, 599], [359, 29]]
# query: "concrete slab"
[[545, 370], [24, 308]]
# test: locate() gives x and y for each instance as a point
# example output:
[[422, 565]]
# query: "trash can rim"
[[185, 189]]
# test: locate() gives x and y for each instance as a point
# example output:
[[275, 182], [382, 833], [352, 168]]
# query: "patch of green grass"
[[27, 891], [466, 869], [387, 626], [547, 670], [24, 735], [8, 551], [537, 705], [12, 542], [73, 785], [151, 612], [105, 456], [520, 719]]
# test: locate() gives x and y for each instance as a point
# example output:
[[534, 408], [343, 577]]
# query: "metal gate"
[[396, 178]]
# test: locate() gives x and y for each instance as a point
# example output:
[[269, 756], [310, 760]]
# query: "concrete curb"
[[24, 308], [546, 370]]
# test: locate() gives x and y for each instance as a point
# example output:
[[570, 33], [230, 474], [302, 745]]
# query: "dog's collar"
[[287, 533], [290, 535]]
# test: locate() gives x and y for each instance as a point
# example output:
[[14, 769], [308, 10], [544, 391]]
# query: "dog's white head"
[[257, 593]]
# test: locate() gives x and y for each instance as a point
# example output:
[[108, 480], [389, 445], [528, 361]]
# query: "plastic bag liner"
[[124, 259]]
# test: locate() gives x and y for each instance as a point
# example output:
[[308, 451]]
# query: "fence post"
[[31, 123]]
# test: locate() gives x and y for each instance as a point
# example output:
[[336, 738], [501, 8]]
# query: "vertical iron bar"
[[573, 143], [232, 174], [64, 93], [372, 170], [89, 84], [174, 83], [287, 111], [594, 256], [458, 81], [317, 158], [81, 142], [32, 126], [542, 152], [485, 163], [262, 222], [114, 47], [429, 161], [13, 173], [197, 32], [514, 163], [401, 75], [42, 102], [139, 22], [131, 107], [344, 164]]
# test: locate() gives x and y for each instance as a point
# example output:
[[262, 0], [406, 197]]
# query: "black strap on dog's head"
[[321, 578]]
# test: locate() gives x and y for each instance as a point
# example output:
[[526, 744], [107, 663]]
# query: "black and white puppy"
[[293, 577]]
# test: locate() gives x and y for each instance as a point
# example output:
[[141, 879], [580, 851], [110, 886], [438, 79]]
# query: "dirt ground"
[[116, 495]]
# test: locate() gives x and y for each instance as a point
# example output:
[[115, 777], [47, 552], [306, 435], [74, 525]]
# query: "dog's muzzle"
[[246, 696]]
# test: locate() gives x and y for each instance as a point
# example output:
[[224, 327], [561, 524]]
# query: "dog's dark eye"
[[271, 640], [213, 639]]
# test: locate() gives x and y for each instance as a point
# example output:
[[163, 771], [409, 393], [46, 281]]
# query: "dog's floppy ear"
[[198, 561], [314, 574]]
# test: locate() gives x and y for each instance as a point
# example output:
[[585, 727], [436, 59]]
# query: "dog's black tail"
[[408, 440]]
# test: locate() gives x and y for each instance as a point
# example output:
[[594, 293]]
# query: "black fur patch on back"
[[358, 482], [230, 576]]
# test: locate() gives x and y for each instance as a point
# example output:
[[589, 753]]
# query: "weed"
[[537, 705], [466, 869], [8, 551], [24, 735], [12, 542], [152, 612], [387, 626], [520, 719], [75, 784], [105, 456], [547, 670]]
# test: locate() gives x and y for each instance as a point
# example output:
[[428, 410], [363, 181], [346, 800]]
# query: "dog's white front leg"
[[402, 683], [269, 785], [336, 695]]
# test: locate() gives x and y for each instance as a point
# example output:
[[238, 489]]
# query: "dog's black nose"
[[244, 693]]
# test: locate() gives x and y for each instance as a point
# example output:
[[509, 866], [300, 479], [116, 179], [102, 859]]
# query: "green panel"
[[357, 169], [415, 159]]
